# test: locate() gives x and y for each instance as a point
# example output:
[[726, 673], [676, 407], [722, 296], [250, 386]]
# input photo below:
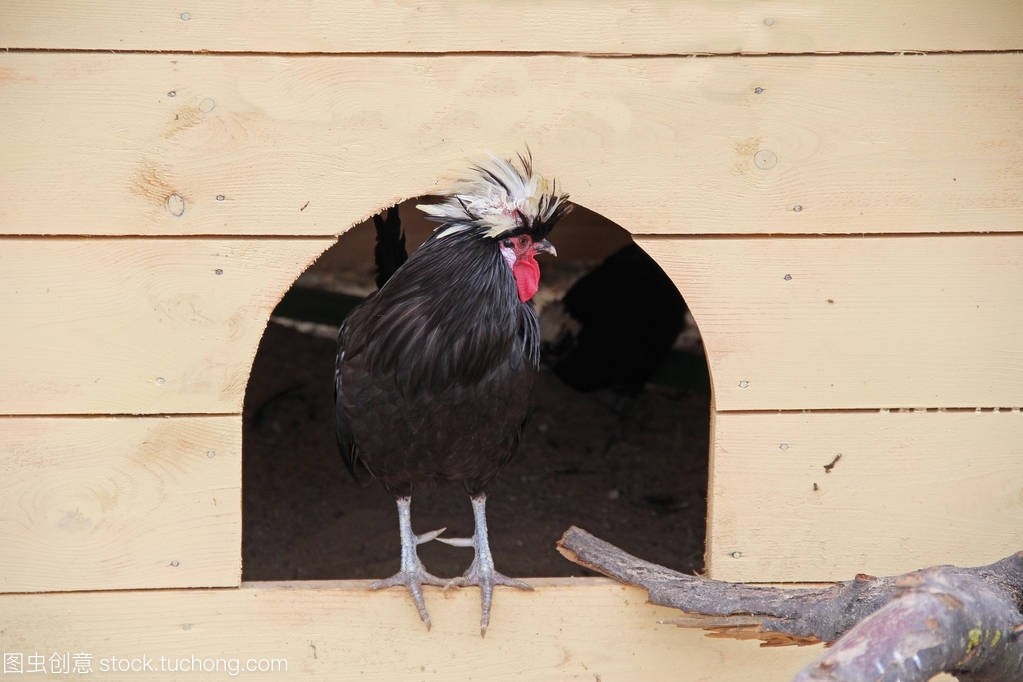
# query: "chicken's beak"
[[544, 246]]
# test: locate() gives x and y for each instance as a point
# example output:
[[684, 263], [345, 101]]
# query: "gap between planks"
[[511, 53], [120, 415], [837, 410], [648, 236], [363, 585]]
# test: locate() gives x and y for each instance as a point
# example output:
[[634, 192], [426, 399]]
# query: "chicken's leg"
[[412, 574], [481, 571]]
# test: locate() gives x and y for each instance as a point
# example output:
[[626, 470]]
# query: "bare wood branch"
[[964, 621]]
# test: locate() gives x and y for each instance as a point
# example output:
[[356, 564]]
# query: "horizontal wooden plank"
[[202, 144], [872, 322], [130, 326], [907, 490], [150, 327], [587, 630], [103, 503], [651, 27]]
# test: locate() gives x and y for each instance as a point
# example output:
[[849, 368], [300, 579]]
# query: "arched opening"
[[617, 442]]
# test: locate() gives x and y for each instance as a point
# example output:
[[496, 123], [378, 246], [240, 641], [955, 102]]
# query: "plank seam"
[[509, 53], [345, 584], [880, 410], [652, 236], [1008, 409], [119, 415], [234, 236], [667, 236]]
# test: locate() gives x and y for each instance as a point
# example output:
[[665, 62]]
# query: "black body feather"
[[435, 369]]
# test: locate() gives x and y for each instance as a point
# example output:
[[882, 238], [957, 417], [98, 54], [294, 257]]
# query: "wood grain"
[[907, 490], [585, 630], [651, 27], [115, 503], [144, 144], [137, 326], [870, 322], [178, 145], [132, 326]]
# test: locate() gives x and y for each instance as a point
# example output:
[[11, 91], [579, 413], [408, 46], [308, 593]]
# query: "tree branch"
[[964, 621]]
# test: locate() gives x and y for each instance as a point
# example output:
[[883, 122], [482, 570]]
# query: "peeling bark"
[[967, 622]]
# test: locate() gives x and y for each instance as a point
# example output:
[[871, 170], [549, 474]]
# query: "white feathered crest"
[[500, 198]]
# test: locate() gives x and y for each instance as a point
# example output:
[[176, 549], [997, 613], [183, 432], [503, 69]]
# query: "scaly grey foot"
[[481, 571], [412, 575]]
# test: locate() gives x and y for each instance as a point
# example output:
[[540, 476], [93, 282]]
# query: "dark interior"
[[617, 442]]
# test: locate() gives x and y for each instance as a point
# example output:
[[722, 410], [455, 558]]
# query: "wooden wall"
[[836, 189]]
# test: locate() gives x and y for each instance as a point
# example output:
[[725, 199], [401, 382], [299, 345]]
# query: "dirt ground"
[[631, 469]]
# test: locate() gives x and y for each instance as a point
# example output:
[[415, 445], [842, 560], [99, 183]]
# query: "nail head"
[[765, 159]]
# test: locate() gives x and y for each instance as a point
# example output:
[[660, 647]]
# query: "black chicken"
[[435, 369], [619, 323]]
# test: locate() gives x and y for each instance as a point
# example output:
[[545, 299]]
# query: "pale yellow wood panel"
[[112, 503], [590, 630], [194, 144], [911, 489], [651, 27], [136, 326], [854, 322]]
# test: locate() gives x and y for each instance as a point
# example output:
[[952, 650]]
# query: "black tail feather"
[[390, 251]]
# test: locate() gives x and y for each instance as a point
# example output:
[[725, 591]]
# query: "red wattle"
[[527, 276]]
